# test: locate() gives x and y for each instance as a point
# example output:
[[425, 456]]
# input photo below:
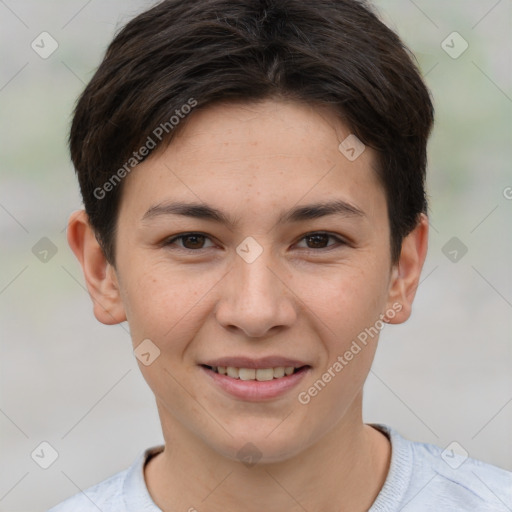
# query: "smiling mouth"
[[259, 374]]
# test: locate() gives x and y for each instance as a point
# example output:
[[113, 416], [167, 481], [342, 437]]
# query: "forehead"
[[271, 128], [254, 157]]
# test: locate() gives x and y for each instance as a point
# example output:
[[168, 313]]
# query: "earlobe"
[[406, 274], [100, 276]]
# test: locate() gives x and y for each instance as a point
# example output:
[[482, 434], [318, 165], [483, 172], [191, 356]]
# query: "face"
[[266, 290]]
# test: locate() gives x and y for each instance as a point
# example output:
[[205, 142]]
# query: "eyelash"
[[340, 242]]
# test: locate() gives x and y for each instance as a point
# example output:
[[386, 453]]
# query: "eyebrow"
[[297, 214]]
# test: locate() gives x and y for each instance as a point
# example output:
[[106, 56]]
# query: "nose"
[[255, 298]]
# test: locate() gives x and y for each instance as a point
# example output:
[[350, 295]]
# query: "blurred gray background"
[[74, 383]]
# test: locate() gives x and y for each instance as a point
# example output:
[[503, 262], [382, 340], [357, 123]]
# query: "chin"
[[252, 445]]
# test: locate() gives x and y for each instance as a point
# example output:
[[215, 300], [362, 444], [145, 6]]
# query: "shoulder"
[[106, 496], [444, 479], [452, 476], [119, 493]]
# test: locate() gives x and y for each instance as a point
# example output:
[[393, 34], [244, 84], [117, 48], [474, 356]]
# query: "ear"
[[100, 276], [406, 273]]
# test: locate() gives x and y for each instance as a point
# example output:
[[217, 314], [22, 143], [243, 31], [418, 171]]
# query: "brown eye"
[[193, 241], [189, 241], [320, 241]]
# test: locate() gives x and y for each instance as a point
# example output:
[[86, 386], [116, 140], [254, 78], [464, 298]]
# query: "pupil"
[[194, 246], [318, 238]]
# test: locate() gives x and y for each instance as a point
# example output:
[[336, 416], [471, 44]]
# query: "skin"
[[300, 298]]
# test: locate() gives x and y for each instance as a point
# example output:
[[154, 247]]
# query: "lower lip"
[[253, 390]]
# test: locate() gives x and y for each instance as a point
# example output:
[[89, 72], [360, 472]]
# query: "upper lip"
[[248, 362]]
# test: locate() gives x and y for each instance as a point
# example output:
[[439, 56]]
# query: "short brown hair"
[[335, 53]]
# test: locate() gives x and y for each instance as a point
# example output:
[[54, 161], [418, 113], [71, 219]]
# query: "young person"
[[253, 177]]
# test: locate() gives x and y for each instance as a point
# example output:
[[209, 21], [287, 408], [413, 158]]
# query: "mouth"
[[255, 380], [255, 374]]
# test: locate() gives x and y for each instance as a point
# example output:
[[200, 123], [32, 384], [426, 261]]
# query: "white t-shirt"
[[421, 478]]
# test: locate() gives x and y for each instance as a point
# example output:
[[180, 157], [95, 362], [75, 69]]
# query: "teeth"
[[264, 374], [247, 373], [260, 374], [279, 372], [232, 372]]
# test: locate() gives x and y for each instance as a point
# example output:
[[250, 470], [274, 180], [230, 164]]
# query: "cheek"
[[349, 308], [162, 302], [166, 302], [169, 304], [347, 300]]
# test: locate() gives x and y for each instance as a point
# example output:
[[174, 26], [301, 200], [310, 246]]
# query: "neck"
[[344, 471]]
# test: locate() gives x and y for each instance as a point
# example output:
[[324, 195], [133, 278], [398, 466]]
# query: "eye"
[[195, 241], [319, 239], [191, 241]]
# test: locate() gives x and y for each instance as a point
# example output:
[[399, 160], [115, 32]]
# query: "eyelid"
[[339, 241], [181, 236]]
